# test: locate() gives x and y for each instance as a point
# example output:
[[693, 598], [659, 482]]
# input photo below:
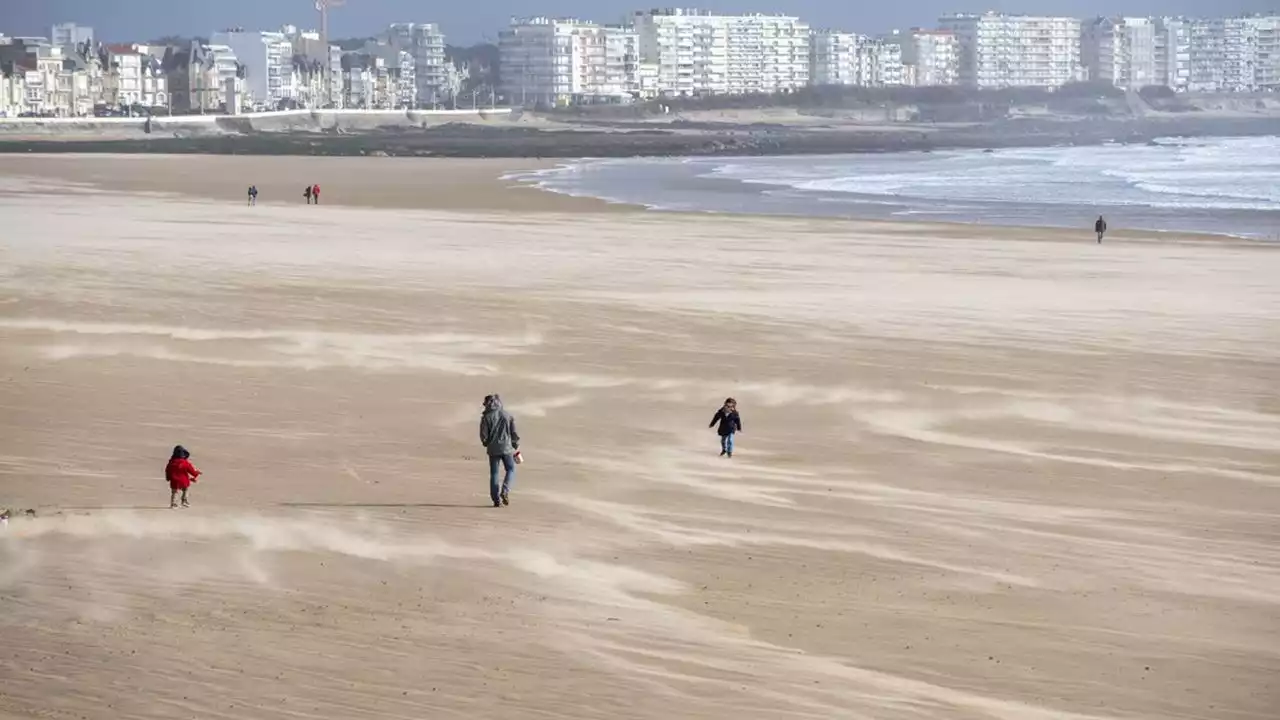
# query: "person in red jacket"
[[315, 193], [180, 473]]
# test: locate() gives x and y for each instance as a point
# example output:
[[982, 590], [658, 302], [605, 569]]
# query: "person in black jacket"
[[730, 423], [1100, 227]]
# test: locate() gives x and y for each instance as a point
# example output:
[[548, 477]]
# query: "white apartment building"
[[1121, 51], [267, 58], [562, 61], [998, 51], [622, 62], [932, 57], [883, 64], [401, 72], [70, 35], [425, 44], [1267, 30], [835, 58], [318, 68], [214, 83], [1173, 53], [13, 91], [698, 53]]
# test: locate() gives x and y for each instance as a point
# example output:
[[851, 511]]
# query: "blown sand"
[[986, 473]]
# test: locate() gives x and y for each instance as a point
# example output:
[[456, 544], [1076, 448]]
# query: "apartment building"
[[882, 64], [699, 53], [13, 89], [396, 71], [562, 61], [133, 76], [70, 35], [425, 44], [622, 62], [1173, 53], [267, 59], [40, 82], [1267, 32], [214, 80], [371, 82], [931, 57], [1121, 51], [835, 58], [317, 67], [998, 51]]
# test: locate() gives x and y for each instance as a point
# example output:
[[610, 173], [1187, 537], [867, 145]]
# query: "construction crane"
[[322, 7]]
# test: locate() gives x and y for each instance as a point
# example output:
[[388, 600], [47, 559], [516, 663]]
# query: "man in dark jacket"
[[730, 423], [499, 437], [1100, 227]]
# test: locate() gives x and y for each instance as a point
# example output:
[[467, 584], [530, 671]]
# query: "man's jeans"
[[504, 461], [726, 443]]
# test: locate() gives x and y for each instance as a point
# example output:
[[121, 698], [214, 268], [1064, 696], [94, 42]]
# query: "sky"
[[480, 20]]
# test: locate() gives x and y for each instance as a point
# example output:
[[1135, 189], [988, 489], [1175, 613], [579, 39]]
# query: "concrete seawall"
[[270, 122]]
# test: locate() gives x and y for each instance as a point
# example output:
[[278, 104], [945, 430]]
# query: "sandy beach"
[[986, 473]]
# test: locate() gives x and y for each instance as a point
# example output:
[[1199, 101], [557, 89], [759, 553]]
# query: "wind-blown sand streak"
[[984, 475]]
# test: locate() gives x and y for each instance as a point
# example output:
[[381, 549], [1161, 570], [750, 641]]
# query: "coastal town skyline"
[[143, 20]]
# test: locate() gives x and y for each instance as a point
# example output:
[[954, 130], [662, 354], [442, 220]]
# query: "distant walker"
[[1100, 227]]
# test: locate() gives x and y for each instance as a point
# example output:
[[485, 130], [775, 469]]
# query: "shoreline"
[[470, 187]]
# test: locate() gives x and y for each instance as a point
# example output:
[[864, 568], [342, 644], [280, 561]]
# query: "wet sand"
[[985, 473]]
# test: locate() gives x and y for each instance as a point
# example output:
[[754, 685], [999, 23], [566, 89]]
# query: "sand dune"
[[986, 474]]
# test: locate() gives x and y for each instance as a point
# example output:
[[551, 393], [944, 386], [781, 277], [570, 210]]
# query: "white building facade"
[[1121, 51], [425, 43], [1000, 51], [70, 35], [267, 58], [932, 57], [564, 61], [1173, 53], [698, 53], [834, 58], [1267, 33]]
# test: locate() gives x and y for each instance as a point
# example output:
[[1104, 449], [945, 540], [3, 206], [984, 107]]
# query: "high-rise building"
[[622, 61], [562, 61], [1120, 51], [425, 43], [267, 58], [834, 58], [1223, 55], [70, 35], [932, 57], [1267, 30], [318, 67], [1173, 53], [883, 62], [999, 51], [698, 53]]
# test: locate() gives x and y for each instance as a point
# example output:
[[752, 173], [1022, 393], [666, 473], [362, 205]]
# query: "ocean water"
[[1228, 186]]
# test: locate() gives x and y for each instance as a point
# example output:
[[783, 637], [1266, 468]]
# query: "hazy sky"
[[467, 22]]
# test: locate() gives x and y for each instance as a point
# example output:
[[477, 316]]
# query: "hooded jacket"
[[498, 429], [730, 421], [180, 472]]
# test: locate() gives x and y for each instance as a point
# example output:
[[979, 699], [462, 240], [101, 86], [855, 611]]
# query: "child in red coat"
[[180, 473]]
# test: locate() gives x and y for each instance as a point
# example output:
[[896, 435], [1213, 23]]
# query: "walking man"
[[499, 437], [1100, 227], [253, 195], [306, 193]]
